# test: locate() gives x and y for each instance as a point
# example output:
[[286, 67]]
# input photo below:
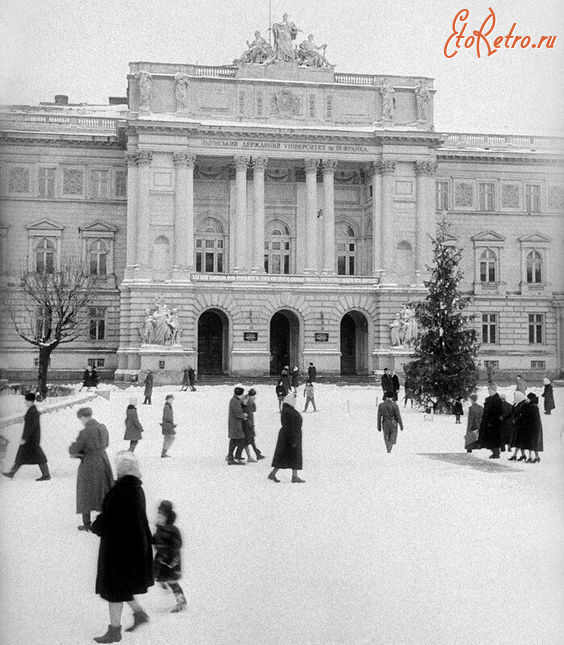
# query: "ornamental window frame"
[[495, 243], [36, 232], [210, 245], [97, 323], [98, 232], [486, 196], [99, 183], [278, 248], [540, 244], [442, 194], [347, 254], [533, 201], [490, 328], [537, 328]]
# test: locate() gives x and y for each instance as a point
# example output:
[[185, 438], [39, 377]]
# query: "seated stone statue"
[[258, 51], [309, 54]]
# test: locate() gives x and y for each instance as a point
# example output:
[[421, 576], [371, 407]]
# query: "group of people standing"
[[287, 382], [241, 427]]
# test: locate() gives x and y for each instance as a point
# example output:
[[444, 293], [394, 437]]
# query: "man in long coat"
[[235, 427], [395, 384], [168, 426], [475, 412], [389, 418], [491, 426], [148, 383], [387, 384], [30, 451]]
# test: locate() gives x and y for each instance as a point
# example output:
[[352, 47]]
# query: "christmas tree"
[[446, 347]]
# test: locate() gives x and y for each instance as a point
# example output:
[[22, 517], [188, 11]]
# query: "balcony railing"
[[467, 140], [222, 71], [61, 119]]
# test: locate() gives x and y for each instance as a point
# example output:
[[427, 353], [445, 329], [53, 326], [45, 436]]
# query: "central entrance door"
[[354, 344], [284, 341], [211, 342]]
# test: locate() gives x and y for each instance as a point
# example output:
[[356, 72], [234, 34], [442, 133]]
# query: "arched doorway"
[[354, 344], [284, 341], [212, 342]]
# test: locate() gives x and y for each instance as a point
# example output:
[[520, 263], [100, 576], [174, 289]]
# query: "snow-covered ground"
[[426, 545]]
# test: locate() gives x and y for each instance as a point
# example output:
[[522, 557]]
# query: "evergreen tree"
[[445, 350]]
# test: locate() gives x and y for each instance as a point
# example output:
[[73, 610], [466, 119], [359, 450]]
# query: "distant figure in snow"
[[309, 395], [281, 391], [492, 425], [389, 418], [312, 372], [288, 452], [295, 378], [168, 425], [457, 409], [235, 432], [519, 437], [387, 384], [548, 396], [133, 427], [506, 422], [188, 379], [475, 412], [148, 393], [395, 384], [533, 425], [521, 384], [250, 407], [90, 378]]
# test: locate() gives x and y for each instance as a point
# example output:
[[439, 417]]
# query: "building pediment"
[[44, 225], [535, 238], [98, 227], [488, 236]]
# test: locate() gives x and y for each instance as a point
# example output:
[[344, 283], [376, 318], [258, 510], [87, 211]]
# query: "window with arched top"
[[277, 249], [534, 267], [346, 246], [488, 266], [98, 257], [210, 246], [45, 256]]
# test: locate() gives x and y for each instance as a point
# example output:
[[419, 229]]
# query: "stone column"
[[387, 168], [425, 216], [329, 166], [259, 164], [144, 242], [311, 216], [240, 236], [376, 172], [184, 210], [132, 189]]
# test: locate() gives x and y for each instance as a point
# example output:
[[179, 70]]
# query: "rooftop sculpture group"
[[261, 52]]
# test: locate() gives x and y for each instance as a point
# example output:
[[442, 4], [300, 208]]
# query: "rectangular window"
[[536, 329], [120, 183], [96, 362], [198, 262], [99, 184], [72, 181], [47, 182], [487, 195], [532, 198], [489, 328], [97, 323], [441, 195], [209, 262], [538, 365], [341, 265]]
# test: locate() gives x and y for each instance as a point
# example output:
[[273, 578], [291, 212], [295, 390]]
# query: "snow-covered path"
[[426, 545]]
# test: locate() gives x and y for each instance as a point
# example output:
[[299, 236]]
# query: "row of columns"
[[382, 171]]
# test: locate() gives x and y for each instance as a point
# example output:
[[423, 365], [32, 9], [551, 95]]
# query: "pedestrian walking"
[[521, 384], [519, 437], [395, 384], [295, 381], [90, 378], [312, 372], [457, 409], [475, 412], [167, 563], [548, 396], [168, 426], [288, 452], [148, 383], [30, 451], [285, 378], [236, 415], [389, 418], [125, 557], [281, 392], [94, 478], [191, 378], [309, 395], [185, 381], [387, 384], [533, 424], [491, 425], [250, 407], [133, 427], [408, 387]]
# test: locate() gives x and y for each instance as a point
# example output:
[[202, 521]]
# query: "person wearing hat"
[[548, 396], [235, 431], [475, 412], [295, 380], [518, 439], [250, 407], [533, 424], [288, 452], [168, 425], [388, 419], [491, 425], [148, 392], [29, 451], [133, 427], [312, 372], [387, 384], [521, 384]]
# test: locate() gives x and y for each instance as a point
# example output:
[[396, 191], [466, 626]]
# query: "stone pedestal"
[[392, 357], [166, 362]]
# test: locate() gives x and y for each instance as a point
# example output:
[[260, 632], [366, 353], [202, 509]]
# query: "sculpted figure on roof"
[[284, 33], [259, 51], [309, 54]]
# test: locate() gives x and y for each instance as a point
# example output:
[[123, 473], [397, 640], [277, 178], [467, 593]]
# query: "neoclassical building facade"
[[283, 211]]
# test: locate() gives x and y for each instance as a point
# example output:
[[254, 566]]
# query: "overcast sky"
[[82, 48]]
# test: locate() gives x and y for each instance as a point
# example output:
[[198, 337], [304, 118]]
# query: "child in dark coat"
[[168, 542], [457, 409]]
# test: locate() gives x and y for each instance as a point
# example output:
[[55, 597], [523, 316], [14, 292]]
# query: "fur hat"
[[30, 396], [533, 398], [239, 389], [252, 392], [165, 508]]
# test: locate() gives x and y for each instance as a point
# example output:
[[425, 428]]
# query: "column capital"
[[329, 166], [311, 165], [383, 167], [428, 168], [145, 157], [260, 163], [132, 158], [241, 163], [184, 159]]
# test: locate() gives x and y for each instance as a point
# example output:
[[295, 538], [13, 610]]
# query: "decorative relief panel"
[[510, 196], [555, 197], [73, 181], [286, 103], [18, 179], [463, 195]]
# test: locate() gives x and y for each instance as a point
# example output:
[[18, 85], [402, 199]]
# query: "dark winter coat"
[[457, 409], [30, 452], [396, 385], [285, 378], [295, 379], [519, 437], [167, 423], [125, 558], [312, 373], [389, 416], [250, 407], [94, 478], [475, 412], [387, 384], [533, 439], [288, 452], [235, 419], [491, 427], [185, 378], [148, 382], [548, 396], [168, 564], [281, 390], [191, 376], [507, 423], [90, 378], [133, 428]]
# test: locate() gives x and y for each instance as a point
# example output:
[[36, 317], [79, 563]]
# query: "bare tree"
[[49, 309]]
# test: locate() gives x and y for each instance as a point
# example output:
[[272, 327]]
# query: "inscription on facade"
[[281, 145]]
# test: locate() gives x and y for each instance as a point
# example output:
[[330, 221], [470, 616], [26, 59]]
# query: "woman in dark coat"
[[533, 425], [90, 378], [519, 437], [133, 427], [288, 453], [94, 478], [148, 393], [475, 412], [548, 396], [125, 558], [30, 451]]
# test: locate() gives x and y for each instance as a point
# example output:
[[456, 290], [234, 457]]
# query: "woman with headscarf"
[[548, 396], [125, 557], [533, 424], [133, 427], [288, 453], [518, 440]]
